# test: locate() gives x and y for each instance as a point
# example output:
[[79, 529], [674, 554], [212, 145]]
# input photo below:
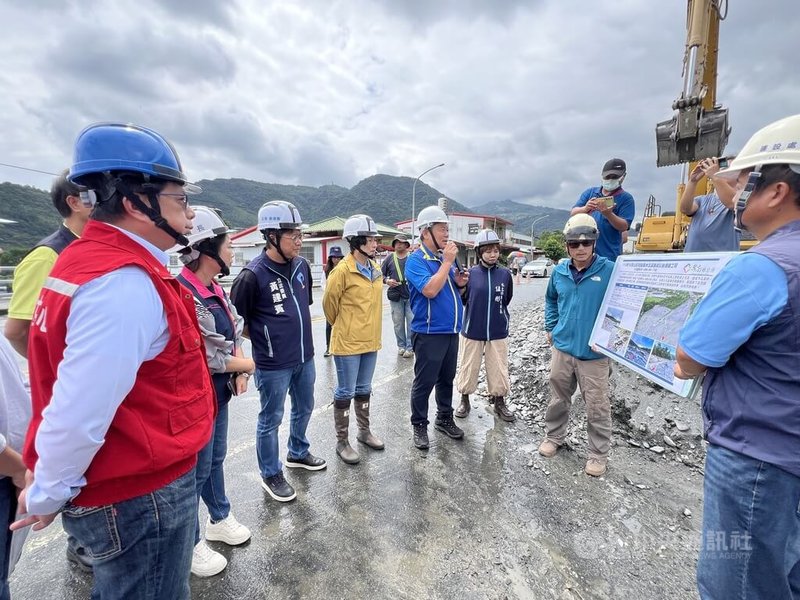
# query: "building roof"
[[333, 224], [500, 220]]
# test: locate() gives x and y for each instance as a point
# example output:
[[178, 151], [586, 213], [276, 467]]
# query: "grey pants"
[[566, 373]]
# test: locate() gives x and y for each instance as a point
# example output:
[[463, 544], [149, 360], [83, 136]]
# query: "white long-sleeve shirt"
[[116, 322]]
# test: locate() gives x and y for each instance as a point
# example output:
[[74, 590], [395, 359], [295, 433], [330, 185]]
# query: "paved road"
[[464, 520]]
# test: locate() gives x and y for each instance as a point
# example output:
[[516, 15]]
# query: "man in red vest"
[[122, 397]]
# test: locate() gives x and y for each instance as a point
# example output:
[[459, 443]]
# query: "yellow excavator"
[[699, 128]]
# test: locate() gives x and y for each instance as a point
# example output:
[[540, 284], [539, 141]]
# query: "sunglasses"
[[585, 243]]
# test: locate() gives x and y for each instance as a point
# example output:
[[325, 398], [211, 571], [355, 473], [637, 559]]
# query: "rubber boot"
[[502, 411], [341, 419], [463, 409], [361, 404]]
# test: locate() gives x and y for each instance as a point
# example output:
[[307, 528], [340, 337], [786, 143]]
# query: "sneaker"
[[277, 487], [596, 467], [401, 351], [308, 462], [78, 557], [421, 437], [206, 562], [548, 448], [408, 354], [228, 531], [448, 426]]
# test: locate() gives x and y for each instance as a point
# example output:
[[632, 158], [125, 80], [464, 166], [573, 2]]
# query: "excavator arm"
[[699, 129]]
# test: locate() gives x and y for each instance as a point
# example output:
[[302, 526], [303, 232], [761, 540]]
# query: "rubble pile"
[[645, 416]]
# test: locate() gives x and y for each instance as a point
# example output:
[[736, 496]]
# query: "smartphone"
[[609, 201], [723, 163]]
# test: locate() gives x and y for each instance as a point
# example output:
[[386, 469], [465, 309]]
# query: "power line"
[[2, 164]]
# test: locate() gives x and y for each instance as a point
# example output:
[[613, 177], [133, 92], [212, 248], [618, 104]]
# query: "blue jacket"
[[442, 313], [489, 292], [571, 308], [609, 244], [273, 299]]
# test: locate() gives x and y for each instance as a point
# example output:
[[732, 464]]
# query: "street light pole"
[[414, 200], [535, 221]]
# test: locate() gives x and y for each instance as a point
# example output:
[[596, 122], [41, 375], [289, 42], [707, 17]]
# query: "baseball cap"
[[615, 166]]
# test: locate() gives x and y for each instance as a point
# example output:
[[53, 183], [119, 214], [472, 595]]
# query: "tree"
[[552, 242], [12, 256]]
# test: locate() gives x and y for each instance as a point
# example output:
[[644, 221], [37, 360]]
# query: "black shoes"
[[277, 487], [421, 436], [447, 426], [308, 462]]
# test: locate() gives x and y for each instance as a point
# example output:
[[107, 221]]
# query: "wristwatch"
[[246, 375]]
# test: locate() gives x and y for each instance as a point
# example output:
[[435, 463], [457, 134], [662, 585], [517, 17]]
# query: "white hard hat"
[[486, 237], [279, 214], [430, 215], [359, 225], [207, 223], [776, 144], [580, 227]]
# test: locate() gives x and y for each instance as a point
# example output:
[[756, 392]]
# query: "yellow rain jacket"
[[353, 306]]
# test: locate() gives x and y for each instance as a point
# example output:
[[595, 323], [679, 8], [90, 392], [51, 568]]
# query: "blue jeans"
[[8, 509], [751, 529], [272, 386], [140, 548], [211, 474], [354, 375], [401, 316]]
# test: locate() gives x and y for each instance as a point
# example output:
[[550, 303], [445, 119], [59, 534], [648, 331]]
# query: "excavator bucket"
[[692, 135]]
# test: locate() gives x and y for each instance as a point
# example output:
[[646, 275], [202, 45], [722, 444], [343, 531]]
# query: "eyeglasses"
[[183, 199], [585, 243], [297, 237]]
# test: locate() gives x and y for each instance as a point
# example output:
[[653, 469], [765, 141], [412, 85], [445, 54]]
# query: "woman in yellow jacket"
[[353, 306]]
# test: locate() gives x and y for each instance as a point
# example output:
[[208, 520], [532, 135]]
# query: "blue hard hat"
[[105, 147], [335, 252]]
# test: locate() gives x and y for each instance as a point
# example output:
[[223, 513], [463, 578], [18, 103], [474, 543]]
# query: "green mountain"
[[523, 215], [33, 212]]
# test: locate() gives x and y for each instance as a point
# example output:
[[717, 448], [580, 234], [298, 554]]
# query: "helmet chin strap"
[[437, 247], [277, 244], [369, 256], [224, 269], [153, 212], [744, 196]]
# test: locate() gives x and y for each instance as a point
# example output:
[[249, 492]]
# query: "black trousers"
[[435, 360]]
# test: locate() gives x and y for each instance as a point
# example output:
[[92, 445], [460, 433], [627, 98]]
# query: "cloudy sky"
[[522, 100]]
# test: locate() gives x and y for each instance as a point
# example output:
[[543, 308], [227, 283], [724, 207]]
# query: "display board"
[[648, 300]]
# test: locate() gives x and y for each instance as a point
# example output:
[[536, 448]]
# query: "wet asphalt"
[[465, 519]]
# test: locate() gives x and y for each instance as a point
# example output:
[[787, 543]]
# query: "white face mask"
[[610, 185]]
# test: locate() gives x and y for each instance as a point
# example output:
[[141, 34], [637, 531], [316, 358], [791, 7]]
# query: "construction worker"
[[393, 269], [208, 255], [273, 295], [122, 397], [744, 336], [32, 271], [610, 206], [712, 228], [352, 304], [484, 338], [436, 287], [573, 299]]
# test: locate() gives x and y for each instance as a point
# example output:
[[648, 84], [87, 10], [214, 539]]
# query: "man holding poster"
[[745, 335]]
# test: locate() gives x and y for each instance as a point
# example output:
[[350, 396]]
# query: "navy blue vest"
[[752, 404], [223, 326], [58, 240], [280, 324]]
